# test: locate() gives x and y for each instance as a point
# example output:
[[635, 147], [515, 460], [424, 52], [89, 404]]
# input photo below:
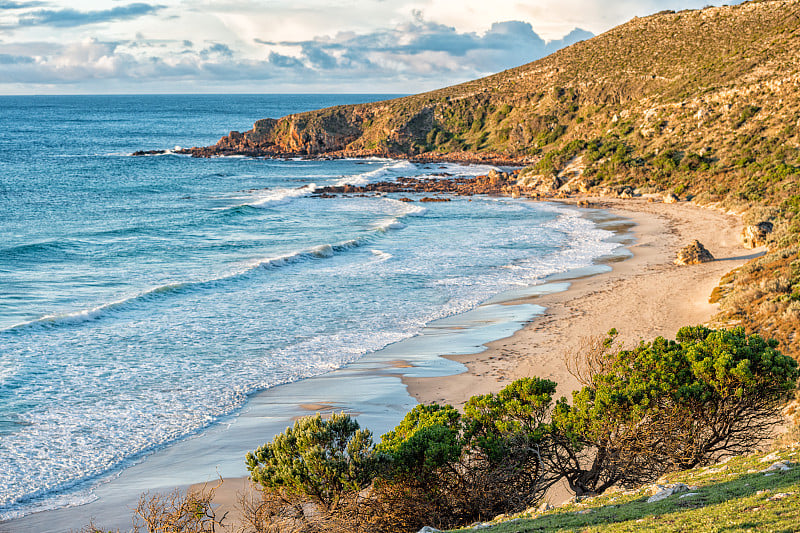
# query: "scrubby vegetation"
[[656, 409], [669, 405], [660, 407], [175, 512]]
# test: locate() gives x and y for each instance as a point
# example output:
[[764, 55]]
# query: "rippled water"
[[142, 298]]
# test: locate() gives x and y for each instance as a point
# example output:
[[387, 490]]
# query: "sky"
[[288, 46]]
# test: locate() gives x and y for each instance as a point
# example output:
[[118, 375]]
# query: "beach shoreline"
[[643, 297], [639, 289]]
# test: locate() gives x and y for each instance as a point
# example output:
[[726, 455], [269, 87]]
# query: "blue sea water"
[[144, 298]]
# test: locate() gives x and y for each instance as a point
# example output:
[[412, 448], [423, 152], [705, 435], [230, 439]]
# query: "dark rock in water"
[[148, 152], [428, 199], [693, 254], [756, 235]]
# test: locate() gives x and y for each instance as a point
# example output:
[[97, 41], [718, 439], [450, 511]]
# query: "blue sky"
[[278, 46]]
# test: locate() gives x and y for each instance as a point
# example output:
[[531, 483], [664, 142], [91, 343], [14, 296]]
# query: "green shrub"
[[321, 460], [670, 405], [516, 416]]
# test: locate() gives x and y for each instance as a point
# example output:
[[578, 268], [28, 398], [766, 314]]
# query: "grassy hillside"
[[746, 493], [704, 103]]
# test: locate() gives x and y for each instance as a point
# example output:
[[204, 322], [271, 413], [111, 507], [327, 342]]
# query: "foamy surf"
[[391, 170], [273, 198], [380, 255], [249, 268]]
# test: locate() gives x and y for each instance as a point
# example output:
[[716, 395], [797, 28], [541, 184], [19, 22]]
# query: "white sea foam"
[[49, 503], [391, 170], [274, 197], [392, 224], [322, 251], [407, 208], [381, 255], [325, 250]]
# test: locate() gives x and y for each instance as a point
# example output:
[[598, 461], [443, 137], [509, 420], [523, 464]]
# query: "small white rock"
[[780, 466], [666, 491]]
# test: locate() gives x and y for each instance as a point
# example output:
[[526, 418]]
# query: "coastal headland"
[[699, 104], [683, 123]]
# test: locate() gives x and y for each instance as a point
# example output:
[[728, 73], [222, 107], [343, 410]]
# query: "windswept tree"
[[738, 383], [508, 435], [668, 405], [448, 469]]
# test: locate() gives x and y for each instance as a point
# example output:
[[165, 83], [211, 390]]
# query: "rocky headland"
[[700, 105]]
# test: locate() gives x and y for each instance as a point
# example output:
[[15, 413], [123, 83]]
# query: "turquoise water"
[[144, 298]]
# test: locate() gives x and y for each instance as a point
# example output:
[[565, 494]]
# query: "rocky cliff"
[[699, 79]]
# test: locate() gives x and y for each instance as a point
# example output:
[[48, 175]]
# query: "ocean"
[[143, 299]]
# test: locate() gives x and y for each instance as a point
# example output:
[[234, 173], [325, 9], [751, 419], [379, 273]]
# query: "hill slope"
[[695, 73], [759, 492], [703, 103]]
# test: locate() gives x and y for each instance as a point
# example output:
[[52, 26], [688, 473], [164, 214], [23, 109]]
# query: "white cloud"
[[312, 45]]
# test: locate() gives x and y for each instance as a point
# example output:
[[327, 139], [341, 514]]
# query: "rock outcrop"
[[542, 183], [756, 235], [693, 254], [671, 198]]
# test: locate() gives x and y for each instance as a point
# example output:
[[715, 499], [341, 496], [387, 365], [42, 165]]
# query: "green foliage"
[[426, 451], [316, 458], [747, 113], [662, 406], [666, 162], [428, 438], [737, 371], [502, 112], [420, 417], [515, 416], [461, 468], [554, 160], [667, 405]]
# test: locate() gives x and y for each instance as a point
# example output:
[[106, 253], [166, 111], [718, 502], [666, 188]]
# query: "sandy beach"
[[643, 296]]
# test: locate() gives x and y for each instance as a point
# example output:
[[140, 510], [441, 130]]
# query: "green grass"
[[731, 496]]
